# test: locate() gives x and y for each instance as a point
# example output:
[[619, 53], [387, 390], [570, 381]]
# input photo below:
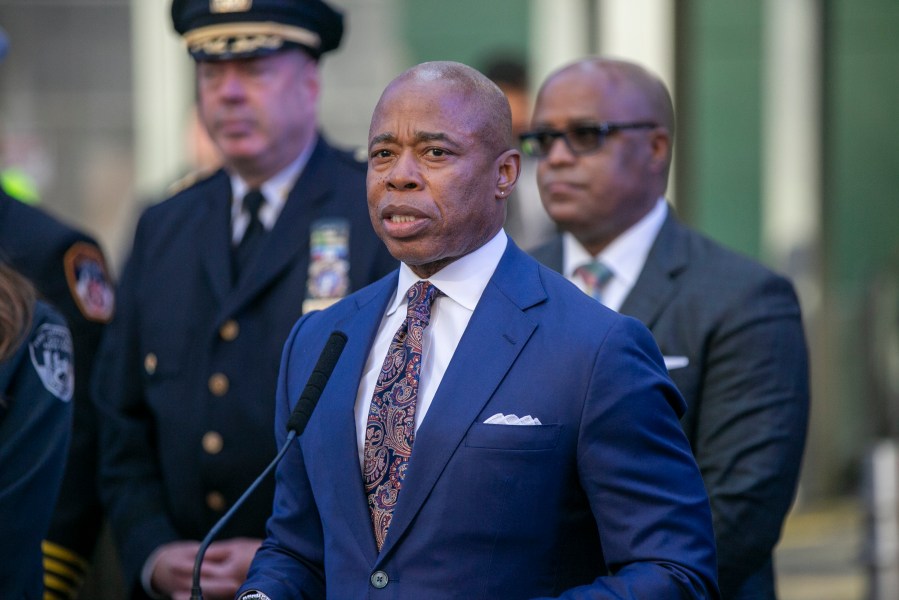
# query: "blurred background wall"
[[787, 148]]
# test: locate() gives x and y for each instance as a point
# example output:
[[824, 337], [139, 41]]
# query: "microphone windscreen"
[[317, 381]]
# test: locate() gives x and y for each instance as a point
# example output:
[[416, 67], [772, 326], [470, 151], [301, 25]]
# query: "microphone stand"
[[196, 593], [300, 416]]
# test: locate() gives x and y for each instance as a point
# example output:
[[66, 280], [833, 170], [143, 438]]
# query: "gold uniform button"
[[218, 384], [229, 330], [150, 362], [215, 501], [212, 442]]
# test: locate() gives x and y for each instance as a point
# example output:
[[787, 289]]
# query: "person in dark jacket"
[[730, 330], [68, 269], [36, 391]]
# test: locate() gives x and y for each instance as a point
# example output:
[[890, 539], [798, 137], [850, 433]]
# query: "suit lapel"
[[214, 236], [499, 328], [339, 400], [657, 282]]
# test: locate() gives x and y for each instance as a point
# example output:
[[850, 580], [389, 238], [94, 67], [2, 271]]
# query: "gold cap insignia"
[[226, 6], [246, 37]]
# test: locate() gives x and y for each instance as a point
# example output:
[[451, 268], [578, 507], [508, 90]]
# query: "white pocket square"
[[676, 362], [501, 419]]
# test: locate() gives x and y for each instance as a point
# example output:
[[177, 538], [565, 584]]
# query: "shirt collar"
[[276, 188], [627, 253], [463, 280]]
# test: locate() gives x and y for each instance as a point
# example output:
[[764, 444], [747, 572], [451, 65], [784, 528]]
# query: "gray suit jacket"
[[737, 328]]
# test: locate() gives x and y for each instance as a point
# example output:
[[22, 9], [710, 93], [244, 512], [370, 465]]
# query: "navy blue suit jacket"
[[190, 360], [735, 332], [605, 486]]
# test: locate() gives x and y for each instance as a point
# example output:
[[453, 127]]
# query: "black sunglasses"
[[580, 139]]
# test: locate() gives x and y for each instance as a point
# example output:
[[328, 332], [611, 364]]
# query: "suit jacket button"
[[218, 384], [213, 442], [150, 363], [229, 330], [379, 579]]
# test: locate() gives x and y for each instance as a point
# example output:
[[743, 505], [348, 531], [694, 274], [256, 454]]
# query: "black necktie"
[[252, 237]]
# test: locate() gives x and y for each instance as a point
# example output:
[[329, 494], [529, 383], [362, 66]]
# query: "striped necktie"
[[596, 275]]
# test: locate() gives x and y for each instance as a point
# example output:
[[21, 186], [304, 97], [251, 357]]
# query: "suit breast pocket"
[[513, 437]]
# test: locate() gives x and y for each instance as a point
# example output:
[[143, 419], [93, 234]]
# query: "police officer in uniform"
[[217, 275], [69, 271], [35, 424]]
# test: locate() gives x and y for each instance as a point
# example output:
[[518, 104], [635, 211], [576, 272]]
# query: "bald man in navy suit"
[[542, 454]]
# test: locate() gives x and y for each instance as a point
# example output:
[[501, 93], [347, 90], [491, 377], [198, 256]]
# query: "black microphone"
[[316, 383], [299, 418]]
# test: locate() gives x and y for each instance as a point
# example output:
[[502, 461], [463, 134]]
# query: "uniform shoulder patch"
[[89, 281], [51, 355]]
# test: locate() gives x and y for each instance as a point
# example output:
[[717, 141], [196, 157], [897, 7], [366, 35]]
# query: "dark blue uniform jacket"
[[53, 255], [35, 425], [191, 358]]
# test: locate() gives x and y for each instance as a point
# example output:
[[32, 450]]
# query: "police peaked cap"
[[227, 29]]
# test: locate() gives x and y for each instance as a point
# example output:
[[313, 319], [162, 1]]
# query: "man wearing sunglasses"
[[730, 329]]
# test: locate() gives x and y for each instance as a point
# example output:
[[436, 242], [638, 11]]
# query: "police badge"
[[329, 263]]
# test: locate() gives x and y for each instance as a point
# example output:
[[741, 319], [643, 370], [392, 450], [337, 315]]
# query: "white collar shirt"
[[275, 192], [625, 256], [461, 284]]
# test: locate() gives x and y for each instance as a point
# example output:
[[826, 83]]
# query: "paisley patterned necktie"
[[391, 419], [596, 275]]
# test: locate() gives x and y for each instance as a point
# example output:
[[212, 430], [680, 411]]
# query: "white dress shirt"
[[461, 284], [625, 256]]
